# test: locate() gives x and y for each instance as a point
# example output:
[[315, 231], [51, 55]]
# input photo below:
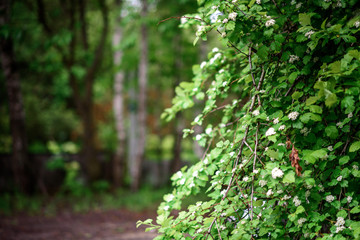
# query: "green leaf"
[[355, 209], [316, 109], [344, 160], [263, 52], [332, 132], [230, 26], [331, 100], [292, 77], [304, 19], [299, 209], [305, 118], [354, 146], [311, 100], [289, 177], [296, 95]]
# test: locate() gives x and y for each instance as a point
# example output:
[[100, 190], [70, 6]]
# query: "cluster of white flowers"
[[286, 197], [199, 230], [357, 24], [270, 131], [296, 201], [202, 65], [309, 33], [349, 199], [225, 20], [279, 191], [276, 121], [339, 178], [246, 196], [183, 20], [301, 221], [355, 167], [330, 148], [293, 115], [282, 127], [234, 1], [350, 115], [208, 131], [232, 16], [246, 178], [262, 183], [198, 137], [213, 59], [166, 208], [192, 184], [270, 23], [269, 193], [293, 58], [330, 198], [206, 161], [200, 31], [340, 222], [256, 112], [214, 17], [223, 34], [258, 2], [195, 174], [339, 125], [170, 198], [321, 188], [182, 181], [298, 5], [277, 173], [305, 131], [255, 171]]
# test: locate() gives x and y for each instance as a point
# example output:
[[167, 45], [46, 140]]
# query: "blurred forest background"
[[83, 85]]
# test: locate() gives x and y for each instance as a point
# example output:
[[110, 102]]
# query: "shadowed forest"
[[83, 85]]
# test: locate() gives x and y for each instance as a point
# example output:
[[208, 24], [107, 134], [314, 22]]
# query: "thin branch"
[[254, 164], [218, 229]]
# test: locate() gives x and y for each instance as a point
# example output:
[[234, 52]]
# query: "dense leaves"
[[281, 104]]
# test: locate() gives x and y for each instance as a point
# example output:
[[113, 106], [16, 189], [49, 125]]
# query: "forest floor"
[[66, 225]]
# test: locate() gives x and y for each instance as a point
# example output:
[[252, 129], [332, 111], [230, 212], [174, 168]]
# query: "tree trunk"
[[143, 78], [118, 105], [16, 109]]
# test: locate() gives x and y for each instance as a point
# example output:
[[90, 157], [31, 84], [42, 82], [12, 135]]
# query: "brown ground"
[[104, 225]]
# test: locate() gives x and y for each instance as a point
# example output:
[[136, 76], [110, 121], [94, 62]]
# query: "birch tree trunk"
[[16, 109], [143, 78], [118, 103]]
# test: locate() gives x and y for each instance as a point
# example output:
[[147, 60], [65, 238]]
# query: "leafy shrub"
[[283, 157]]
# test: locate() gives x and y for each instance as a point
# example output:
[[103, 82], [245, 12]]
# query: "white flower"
[[202, 65], [286, 197], [199, 230], [269, 193], [281, 144], [191, 185], [357, 24], [182, 181], [222, 227], [262, 183], [306, 235], [293, 2], [339, 229], [355, 167], [214, 17], [200, 30], [225, 20], [330, 148], [277, 173], [338, 4], [217, 173], [179, 174], [309, 33], [166, 208], [293, 58], [206, 161], [298, 5], [255, 171], [246, 196], [195, 174], [183, 20], [232, 16], [339, 178], [296, 201], [269, 23], [258, 2], [245, 179], [223, 34], [349, 199], [198, 137], [270, 131], [321, 188], [282, 127], [301, 221], [262, 91], [279, 191], [232, 154], [276, 121], [208, 131], [223, 192], [234, 1], [339, 124], [340, 221], [215, 49], [170, 198], [256, 112], [350, 115], [329, 198], [293, 115]]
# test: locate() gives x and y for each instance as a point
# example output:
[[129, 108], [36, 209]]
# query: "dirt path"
[[108, 225]]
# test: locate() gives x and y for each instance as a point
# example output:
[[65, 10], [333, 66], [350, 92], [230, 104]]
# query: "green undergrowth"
[[146, 198]]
